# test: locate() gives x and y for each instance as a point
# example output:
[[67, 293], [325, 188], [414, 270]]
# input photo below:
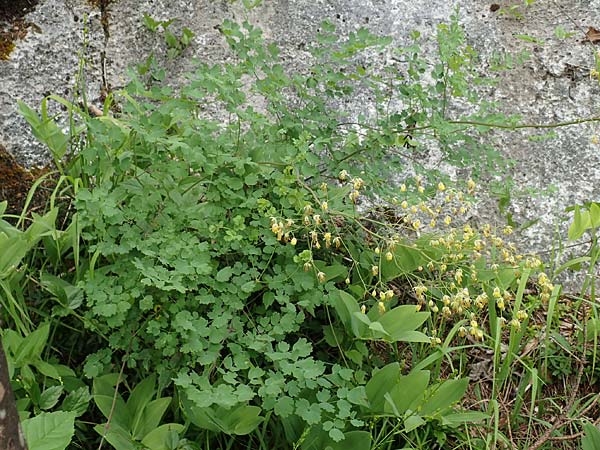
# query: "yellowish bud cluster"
[[419, 291], [546, 286]]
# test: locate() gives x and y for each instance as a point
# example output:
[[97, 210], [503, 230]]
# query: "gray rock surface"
[[552, 86]]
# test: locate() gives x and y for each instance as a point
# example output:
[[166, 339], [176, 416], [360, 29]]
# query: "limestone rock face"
[[552, 86]]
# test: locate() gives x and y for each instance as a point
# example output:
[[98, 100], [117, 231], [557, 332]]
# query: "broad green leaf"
[[581, 222], [412, 336], [138, 399], [380, 384], [201, 417], [153, 414], [45, 129], [77, 401], [242, 420], [103, 392], [116, 436], [591, 439], [41, 226], [336, 434], [444, 395], [405, 260], [224, 274], [358, 396], [402, 319], [408, 392], [595, 215], [50, 397], [119, 412], [378, 329], [345, 305], [161, 438], [413, 422], [461, 418], [49, 431], [336, 272], [12, 250], [32, 346], [348, 310], [47, 369], [284, 406]]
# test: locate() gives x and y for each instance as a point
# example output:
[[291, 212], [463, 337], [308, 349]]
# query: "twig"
[[114, 403]]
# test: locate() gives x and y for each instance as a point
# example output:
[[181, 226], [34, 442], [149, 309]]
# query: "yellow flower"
[[458, 276], [441, 187], [389, 256], [381, 307], [294, 241], [471, 185], [419, 291], [447, 220], [404, 204], [363, 309], [337, 242], [403, 187], [343, 175], [522, 315], [416, 224], [321, 276], [374, 270], [324, 206]]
